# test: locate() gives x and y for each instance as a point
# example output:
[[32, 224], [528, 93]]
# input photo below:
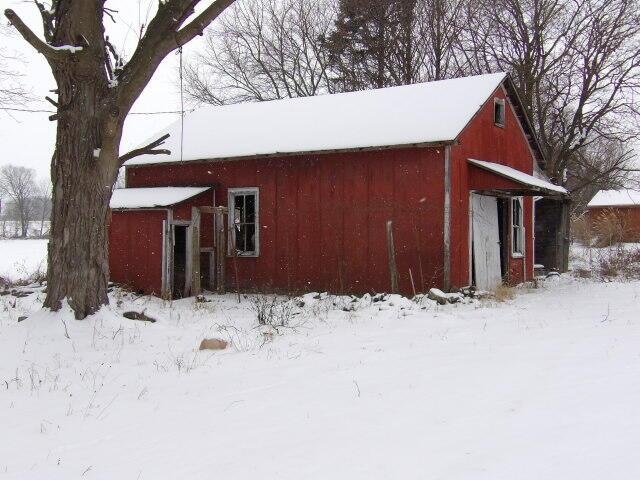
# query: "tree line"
[[575, 63], [24, 200]]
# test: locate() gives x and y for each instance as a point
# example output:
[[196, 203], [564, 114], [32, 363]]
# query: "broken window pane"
[[244, 218]]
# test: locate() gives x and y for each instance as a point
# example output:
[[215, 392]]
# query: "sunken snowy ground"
[[546, 386]]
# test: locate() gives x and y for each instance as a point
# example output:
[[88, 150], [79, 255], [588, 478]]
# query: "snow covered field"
[[545, 386], [19, 259]]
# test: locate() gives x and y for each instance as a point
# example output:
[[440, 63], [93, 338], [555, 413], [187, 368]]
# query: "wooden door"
[[486, 242]]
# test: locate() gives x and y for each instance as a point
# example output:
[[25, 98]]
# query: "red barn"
[[402, 188], [615, 214]]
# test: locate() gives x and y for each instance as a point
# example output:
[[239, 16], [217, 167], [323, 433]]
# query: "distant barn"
[[396, 189], [616, 214]]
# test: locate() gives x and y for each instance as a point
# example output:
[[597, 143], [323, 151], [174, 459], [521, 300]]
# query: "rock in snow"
[[213, 344]]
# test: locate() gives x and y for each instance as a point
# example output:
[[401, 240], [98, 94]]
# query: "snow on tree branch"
[[49, 51]]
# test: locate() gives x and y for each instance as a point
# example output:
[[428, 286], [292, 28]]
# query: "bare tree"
[[268, 49], [12, 91], [18, 184], [439, 32], [263, 50], [576, 64], [43, 202], [96, 89]]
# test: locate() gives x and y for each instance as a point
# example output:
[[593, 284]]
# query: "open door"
[[208, 249], [486, 242]]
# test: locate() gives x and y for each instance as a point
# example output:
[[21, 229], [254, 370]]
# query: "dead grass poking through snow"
[[504, 293]]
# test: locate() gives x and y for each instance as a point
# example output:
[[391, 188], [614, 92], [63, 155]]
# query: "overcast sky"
[[27, 139]]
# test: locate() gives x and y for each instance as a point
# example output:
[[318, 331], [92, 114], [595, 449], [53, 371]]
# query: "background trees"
[[24, 199], [575, 63], [263, 50], [18, 185]]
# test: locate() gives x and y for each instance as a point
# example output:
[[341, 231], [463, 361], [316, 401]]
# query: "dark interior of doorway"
[[206, 275], [179, 260], [503, 229]]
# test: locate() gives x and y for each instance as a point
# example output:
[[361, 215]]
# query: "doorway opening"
[[179, 261], [503, 230]]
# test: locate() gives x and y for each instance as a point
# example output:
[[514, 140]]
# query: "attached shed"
[[402, 188], [616, 214], [150, 245]]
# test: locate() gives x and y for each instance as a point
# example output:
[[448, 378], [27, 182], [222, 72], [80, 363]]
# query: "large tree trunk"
[[94, 97], [82, 179], [78, 247]]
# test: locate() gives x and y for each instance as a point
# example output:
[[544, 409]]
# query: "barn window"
[[517, 223], [244, 221], [499, 112]]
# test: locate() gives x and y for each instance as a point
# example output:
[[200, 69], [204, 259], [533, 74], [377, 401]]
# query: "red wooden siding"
[[483, 140], [323, 217], [183, 212], [135, 249]]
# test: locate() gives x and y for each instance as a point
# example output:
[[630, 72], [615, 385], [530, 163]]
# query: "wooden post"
[[393, 269], [235, 265], [413, 285], [221, 248], [167, 258], [418, 251], [196, 288]]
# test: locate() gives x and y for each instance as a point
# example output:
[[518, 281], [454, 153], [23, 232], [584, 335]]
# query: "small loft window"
[[517, 226], [499, 112], [244, 221]]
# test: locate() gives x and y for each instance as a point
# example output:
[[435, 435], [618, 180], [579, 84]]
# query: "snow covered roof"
[[519, 177], [615, 198], [137, 198], [422, 113]]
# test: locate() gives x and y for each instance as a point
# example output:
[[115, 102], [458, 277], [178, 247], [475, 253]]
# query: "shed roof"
[[531, 182], [140, 198], [615, 198], [424, 113]]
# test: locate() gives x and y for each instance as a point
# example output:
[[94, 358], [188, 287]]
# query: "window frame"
[[232, 193], [517, 229], [503, 105]]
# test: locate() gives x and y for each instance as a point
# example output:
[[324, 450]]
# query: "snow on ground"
[[542, 387], [19, 259]]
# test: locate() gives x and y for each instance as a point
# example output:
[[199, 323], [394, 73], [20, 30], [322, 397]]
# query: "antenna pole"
[[181, 108]]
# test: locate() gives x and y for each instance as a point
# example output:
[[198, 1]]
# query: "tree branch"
[[161, 38], [50, 52], [147, 150], [198, 24]]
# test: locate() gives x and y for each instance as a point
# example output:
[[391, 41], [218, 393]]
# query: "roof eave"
[[524, 119], [439, 143], [165, 207], [531, 189]]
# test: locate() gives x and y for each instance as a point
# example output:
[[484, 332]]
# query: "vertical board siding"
[[483, 140], [135, 249], [323, 217]]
